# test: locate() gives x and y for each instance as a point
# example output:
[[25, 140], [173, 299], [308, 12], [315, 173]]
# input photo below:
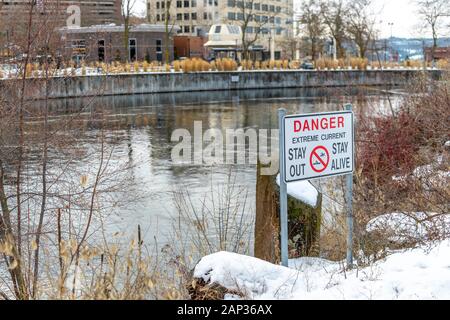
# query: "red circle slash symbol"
[[319, 159]]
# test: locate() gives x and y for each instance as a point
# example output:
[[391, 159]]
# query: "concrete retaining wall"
[[124, 84]]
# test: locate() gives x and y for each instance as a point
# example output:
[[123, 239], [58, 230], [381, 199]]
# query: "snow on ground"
[[407, 275], [303, 191]]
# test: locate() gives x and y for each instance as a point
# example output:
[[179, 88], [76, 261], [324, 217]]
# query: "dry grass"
[[191, 65]]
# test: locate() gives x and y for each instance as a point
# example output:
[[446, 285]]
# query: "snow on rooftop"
[[303, 191]]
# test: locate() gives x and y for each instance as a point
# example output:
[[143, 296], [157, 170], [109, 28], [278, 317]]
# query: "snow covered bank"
[[413, 274], [418, 227]]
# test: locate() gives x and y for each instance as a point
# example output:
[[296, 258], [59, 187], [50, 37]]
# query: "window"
[[257, 18], [272, 8], [158, 17], [240, 16], [159, 50], [187, 29], [233, 29], [231, 16], [248, 5], [132, 47], [157, 5], [205, 15], [163, 5], [265, 7], [101, 50], [217, 29], [278, 9], [231, 3], [257, 6], [194, 15], [186, 16], [186, 4], [179, 4], [193, 3], [179, 16], [278, 20], [249, 30], [240, 4]]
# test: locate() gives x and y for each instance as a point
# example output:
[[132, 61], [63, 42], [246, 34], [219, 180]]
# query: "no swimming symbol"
[[319, 159]]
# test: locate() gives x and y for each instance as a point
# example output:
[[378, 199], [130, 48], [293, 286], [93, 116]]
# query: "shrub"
[[443, 64], [205, 66], [29, 70], [278, 64], [176, 66], [136, 66], [271, 64]]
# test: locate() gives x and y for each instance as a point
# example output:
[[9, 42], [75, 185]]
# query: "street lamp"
[[391, 24]]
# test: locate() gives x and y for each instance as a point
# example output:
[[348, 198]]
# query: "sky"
[[402, 13]]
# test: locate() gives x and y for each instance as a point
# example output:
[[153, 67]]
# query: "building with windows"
[[91, 12], [440, 53], [261, 18], [105, 43]]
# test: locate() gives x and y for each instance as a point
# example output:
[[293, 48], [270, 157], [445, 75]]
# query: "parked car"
[[307, 65]]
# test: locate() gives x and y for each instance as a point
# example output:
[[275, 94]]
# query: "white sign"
[[318, 145]]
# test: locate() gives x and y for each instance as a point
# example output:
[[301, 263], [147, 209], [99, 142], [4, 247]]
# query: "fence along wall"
[[124, 84]]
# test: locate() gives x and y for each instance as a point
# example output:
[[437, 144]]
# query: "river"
[[144, 125]]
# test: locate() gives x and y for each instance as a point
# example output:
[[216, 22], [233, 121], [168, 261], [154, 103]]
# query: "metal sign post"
[[314, 146], [283, 192], [349, 200]]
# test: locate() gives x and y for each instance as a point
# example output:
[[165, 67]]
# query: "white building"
[[269, 19]]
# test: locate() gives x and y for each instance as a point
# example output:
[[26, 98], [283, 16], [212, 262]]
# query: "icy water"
[[146, 123]]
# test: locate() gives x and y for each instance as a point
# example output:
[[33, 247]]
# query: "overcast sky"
[[402, 13]]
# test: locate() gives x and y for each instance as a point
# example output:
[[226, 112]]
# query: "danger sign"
[[318, 145]]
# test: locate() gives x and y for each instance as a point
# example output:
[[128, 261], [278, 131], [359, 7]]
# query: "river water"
[[144, 134]]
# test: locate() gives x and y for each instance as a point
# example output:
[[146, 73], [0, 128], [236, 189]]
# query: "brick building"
[[106, 43], [190, 47], [92, 12], [442, 53]]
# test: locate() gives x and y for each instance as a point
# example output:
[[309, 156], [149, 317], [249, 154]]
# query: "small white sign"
[[234, 78], [318, 145]]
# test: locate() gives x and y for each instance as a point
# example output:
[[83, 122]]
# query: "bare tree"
[[433, 14], [39, 195], [127, 16], [333, 13], [360, 25], [248, 19], [169, 25], [314, 28], [168, 18]]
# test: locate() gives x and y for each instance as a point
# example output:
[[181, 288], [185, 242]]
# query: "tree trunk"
[[267, 225], [303, 228]]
